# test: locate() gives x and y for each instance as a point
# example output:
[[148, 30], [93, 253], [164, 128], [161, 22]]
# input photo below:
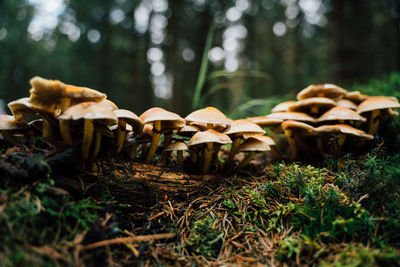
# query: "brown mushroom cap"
[[244, 126], [130, 118], [327, 90], [255, 145], [208, 115], [48, 93], [297, 125], [209, 136], [23, 107], [346, 103], [263, 121], [108, 103], [377, 103], [261, 137], [306, 104], [169, 120], [8, 122], [177, 146], [188, 130], [341, 114], [283, 107], [297, 116], [90, 111], [355, 96], [344, 129]]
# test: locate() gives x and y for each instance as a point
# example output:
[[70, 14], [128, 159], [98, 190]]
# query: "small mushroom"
[[266, 139], [314, 105], [293, 131], [374, 105], [355, 97], [252, 146], [283, 107], [341, 114], [179, 147], [162, 121], [126, 117], [208, 138], [90, 112], [9, 125], [322, 90], [346, 103], [212, 117], [188, 130]]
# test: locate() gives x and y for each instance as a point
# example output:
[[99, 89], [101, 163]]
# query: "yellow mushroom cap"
[[306, 104], [8, 122], [48, 93], [23, 107], [344, 129], [177, 146], [346, 103], [263, 121], [188, 130], [90, 111], [355, 96], [169, 120], [341, 114], [327, 90], [209, 136], [208, 115], [130, 118], [244, 126], [297, 125], [283, 107], [255, 145], [297, 116], [377, 103], [261, 137], [108, 103]]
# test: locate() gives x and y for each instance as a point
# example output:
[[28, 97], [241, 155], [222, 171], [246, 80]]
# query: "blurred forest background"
[[146, 53]]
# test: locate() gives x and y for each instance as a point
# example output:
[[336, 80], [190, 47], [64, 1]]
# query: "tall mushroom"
[[161, 120], [126, 117]]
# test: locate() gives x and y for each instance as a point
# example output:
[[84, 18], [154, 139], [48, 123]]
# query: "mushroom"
[[212, 117], [346, 103], [23, 107], [90, 112], [108, 103], [297, 116], [179, 147], [9, 125], [314, 105], [189, 130], [283, 107], [341, 131], [236, 131], [252, 146], [208, 138], [321, 90], [263, 121], [267, 139], [293, 131], [125, 116], [355, 97], [341, 114], [162, 121], [374, 105]]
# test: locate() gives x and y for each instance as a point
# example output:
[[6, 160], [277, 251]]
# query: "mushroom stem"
[[145, 148], [215, 161], [374, 122], [121, 133], [292, 144], [247, 159], [87, 139], [155, 139], [208, 151], [47, 129], [180, 158], [314, 110], [133, 151], [9, 137], [167, 142], [209, 125], [341, 139], [65, 131], [97, 144], [235, 145], [65, 103]]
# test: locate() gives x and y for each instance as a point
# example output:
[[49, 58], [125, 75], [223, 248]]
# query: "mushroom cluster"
[[80, 115], [326, 116]]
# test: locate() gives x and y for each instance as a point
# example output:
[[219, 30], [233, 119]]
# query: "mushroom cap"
[[297, 116], [306, 104], [209, 136], [48, 93], [208, 115], [344, 129], [378, 102], [355, 96], [23, 107], [254, 145], [130, 118], [244, 126], [8, 122], [341, 114], [261, 137], [327, 90], [177, 146], [297, 125], [188, 130], [169, 120], [91, 111], [108, 103], [346, 103], [283, 107], [263, 121]]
